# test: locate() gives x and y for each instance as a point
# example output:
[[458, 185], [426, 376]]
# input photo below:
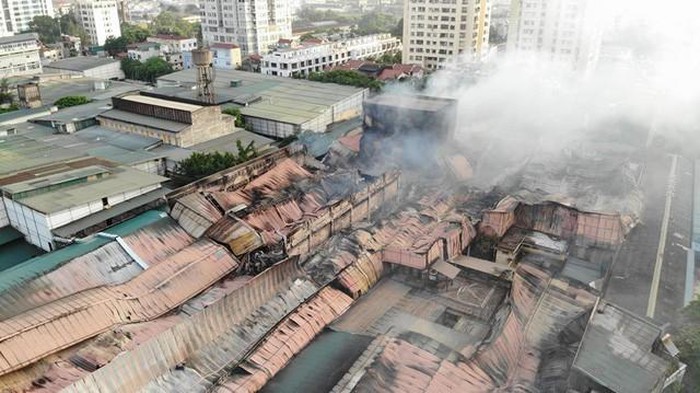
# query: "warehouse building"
[[274, 106], [176, 123], [39, 205], [89, 67]]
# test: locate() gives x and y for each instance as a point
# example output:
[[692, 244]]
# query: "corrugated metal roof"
[[283, 99], [227, 143], [35, 267], [39, 332], [68, 231], [288, 339], [120, 180], [195, 213], [218, 337], [81, 63], [161, 102], [147, 121], [19, 153], [616, 351]]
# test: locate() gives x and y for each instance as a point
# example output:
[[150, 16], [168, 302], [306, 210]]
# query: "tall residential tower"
[[253, 25], [561, 30], [435, 31], [16, 14], [99, 18]]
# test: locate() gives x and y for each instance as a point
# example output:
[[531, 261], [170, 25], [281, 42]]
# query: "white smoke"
[[532, 106]]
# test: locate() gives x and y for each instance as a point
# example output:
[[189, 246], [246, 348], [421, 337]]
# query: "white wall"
[[107, 71], [37, 226]]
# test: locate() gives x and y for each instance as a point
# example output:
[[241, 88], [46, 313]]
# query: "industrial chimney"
[[202, 59]]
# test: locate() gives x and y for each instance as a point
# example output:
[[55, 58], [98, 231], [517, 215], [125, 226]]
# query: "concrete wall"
[[207, 123]]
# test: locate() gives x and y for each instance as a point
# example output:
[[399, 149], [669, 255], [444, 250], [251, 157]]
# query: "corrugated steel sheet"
[[541, 308], [288, 339], [208, 342], [195, 213], [497, 221], [359, 277], [16, 276], [240, 237], [158, 241], [108, 265], [39, 332]]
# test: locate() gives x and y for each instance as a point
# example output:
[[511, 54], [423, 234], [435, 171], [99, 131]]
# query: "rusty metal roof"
[[195, 213], [36, 333], [288, 339], [217, 337], [108, 265]]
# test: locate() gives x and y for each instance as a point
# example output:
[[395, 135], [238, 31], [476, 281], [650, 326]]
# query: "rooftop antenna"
[[202, 59]]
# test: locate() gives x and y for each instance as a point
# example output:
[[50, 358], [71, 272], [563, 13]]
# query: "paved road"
[[632, 278]]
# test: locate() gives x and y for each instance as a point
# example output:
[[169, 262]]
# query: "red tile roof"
[[221, 45]]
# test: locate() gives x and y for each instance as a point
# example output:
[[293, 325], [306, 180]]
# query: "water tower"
[[202, 59]]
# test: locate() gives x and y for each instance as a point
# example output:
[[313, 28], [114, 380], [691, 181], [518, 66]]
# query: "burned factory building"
[[412, 127], [377, 272]]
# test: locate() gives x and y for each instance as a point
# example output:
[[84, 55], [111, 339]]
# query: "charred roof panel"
[[616, 351]]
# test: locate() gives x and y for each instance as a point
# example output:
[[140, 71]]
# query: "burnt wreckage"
[[418, 281]]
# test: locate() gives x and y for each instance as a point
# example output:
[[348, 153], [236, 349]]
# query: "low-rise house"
[[144, 51], [226, 56], [288, 60]]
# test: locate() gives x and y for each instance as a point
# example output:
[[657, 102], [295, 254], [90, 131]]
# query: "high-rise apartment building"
[[559, 30], [253, 25], [16, 14], [99, 18], [435, 31]]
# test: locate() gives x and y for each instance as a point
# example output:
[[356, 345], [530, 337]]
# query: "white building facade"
[[99, 18], [20, 55], [314, 58], [226, 56], [560, 30], [437, 31], [16, 14], [145, 51], [173, 43], [253, 25]]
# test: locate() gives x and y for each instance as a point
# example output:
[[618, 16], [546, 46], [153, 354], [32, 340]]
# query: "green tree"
[[236, 113], [154, 68], [199, 165], [398, 30], [70, 26], [390, 58], [688, 341], [134, 33], [344, 77], [168, 23], [375, 23], [68, 101], [115, 45], [48, 28], [6, 96]]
